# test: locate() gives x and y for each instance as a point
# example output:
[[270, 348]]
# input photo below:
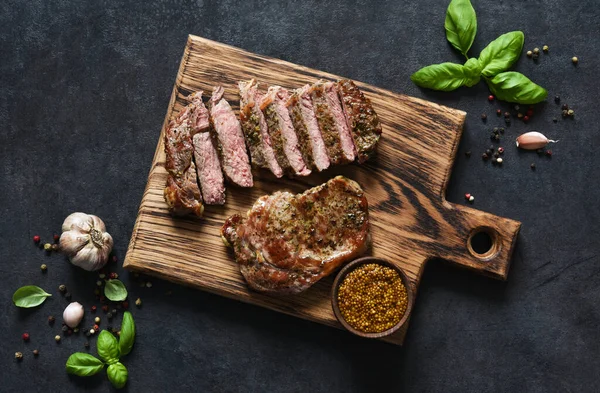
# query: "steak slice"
[[234, 159], [288, 242], [332, 123], [361, 117], [181, 191], [281, 130], [310, 140], [255, 128], [208, 169]]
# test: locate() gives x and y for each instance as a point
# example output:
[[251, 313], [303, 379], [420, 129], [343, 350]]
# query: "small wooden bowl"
[[351, 266]]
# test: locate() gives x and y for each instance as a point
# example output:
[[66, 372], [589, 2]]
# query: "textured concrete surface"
[[84, 87]]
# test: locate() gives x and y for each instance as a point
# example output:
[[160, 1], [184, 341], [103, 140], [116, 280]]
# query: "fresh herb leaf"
[[127, 336], [108, 347], [501, 53], [472, 71], [29, 296], [461, 25], [515, 87], [444, 76], [115, 290], [117, 375], [83, 364]]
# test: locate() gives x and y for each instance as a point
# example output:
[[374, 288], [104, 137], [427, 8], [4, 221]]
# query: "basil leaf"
[[515, 87], [472, 71], [108, 347], [117, 375], [29, 296], [83, 364], [461, 25], [115, 290], [444, 76], [501, 53], [127, 337]]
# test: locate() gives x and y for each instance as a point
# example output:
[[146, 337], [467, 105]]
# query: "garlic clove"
[[98, 223], [73, 314], [71, 242], [77, 220], [532, 140]]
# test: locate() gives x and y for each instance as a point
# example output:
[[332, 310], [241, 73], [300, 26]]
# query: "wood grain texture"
[[411, 222]]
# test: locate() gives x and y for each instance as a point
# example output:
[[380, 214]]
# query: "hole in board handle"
[[483, 243]]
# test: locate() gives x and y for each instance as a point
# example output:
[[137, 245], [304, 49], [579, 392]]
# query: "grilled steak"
[[362, 119], [332, 123], [288, 242], [281, 130], [234, 159], [208, 169], [255, 129], [310, 140], [181, 192]]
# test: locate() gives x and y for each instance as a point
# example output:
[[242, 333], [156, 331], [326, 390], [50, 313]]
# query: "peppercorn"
[[99, 283], [109, 315], [68, 296], [502, 130], [557, 98], [575, 60], [94, 308], [114, 259], [497, 137], [496, 155], [18, 356], [105, 308], [539, 151], [499, 160], [96, 327], [138, 302], [467, 196], [545, 48], [526, 119], [489, 152], [490, 98], [92, 331], [114, 311], [500, 150], [36, 353], [529, 53], [536, 50], [498, 112], [48, 247], [554, 119], [570, 112], [76, 330], [56, 238], [51, 320], [25, 336], [57, 338], [36, 239], [506, 114], [471, 199], [44, 267], [65, 328], [468, 153], [520, 115], [86, 344], [549, 153], [62, 288], [484, 156], [565, 113], [493, 136], [532, 166], [97, 319], [87, 333], [113, 276], [483, 117], [535, 56], [492, 147], [54, 247], [564, 107]]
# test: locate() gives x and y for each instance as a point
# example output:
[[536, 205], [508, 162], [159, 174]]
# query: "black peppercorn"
[[51, 320], [109, 315], [65, 328], [36, 352], [488, 152], [483, 117], [496, 129], [86, 344], [557, 98], [485, 156], [565, 107], [496, 155], [492, 147], [539, 151], [555, 120], [502, 130], [114, 311], [493, 136], [532, 166], [507, 114], [62, 288], [87, 333], [565, 113], [497, 137]]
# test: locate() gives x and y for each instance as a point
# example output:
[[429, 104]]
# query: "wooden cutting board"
[[411, 222]]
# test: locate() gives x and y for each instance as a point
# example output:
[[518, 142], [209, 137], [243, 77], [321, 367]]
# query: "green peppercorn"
[[575, 60], [536, 51], [18, 356], [62, 288], [44, 267], [57, 338], [529, 53], [570, 112], [138, 302], [545, 48], [48, 247], [97, 319]]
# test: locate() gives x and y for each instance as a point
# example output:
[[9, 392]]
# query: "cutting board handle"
[[466, 224]]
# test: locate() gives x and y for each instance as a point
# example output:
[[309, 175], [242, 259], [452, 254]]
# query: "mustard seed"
[[44, 267], [575, 60], [18, 356], [545, 48]]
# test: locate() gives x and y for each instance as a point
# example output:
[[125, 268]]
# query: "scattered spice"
[[557, 98], [554, 119], [545, 48], [575, 60], [520, 115], [99, 283], [56, 238], [92, 331], [536, 51], [526, 119], [64, 328], [549, 153], [565, 113], [499, 160], [471, 199], [36, 353], [25, 336], [499, 112], [490, 98], [105, 308], [485, 156], [468, 153], [500, 150], [86, 344], [372, 298], [149, 284], [467, 196], [484, 117], [97, 319], [48, 247], [57, 338], [44, 267], [109, 315], [529, 53], [18, 356], [565, 107], [138, 302], [94, 308], [51, 320], [571, 112], [96, 328], [113, 276], [36, 239], [62, 288], [536, 56], [54, 247], [532, 166]]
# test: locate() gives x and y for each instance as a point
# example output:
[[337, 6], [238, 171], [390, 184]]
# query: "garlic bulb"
[[73, 314], [85, 241]]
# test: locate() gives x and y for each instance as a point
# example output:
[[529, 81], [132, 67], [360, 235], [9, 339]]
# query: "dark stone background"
[[84, 88]]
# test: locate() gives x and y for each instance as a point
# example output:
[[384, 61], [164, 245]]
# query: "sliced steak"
[[255, 128], [332, 123], [234, 159], [361, 117], [287, 242], [208, 169], [281, 130], [310, 140], [181, 192]]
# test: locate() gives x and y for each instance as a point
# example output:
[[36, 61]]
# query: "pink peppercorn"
[[36, 239], [490, 98], [25, 336]]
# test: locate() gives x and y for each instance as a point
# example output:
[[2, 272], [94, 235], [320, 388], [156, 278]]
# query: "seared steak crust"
[[181, 191], [234, 159], [327, 124], [255, 128], [361, 117], [288, 242]]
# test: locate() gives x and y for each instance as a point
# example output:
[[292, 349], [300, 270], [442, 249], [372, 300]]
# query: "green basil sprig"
[[115, 290], [110, 350], [29, 296], [461, 25], [494, 60]]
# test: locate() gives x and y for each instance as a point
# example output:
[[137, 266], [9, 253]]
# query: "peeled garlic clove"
[[73, 314], [533, 140]]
